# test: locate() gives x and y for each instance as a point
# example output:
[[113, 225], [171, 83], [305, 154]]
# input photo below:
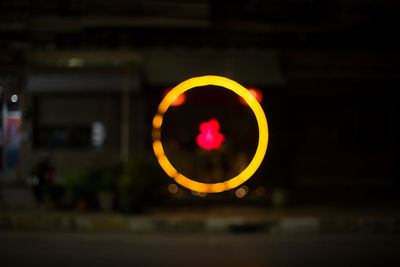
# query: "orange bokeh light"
[[180, 100], [256, 93]]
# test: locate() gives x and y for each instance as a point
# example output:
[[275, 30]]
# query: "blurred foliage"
[[135, 182], [139, 175], [139, 184], [77, 181], [107, 179]]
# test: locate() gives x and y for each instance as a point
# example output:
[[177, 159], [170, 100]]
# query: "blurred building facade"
[[90, 74]]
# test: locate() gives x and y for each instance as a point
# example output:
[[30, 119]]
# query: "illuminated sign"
[[262, 136], [209, 137]]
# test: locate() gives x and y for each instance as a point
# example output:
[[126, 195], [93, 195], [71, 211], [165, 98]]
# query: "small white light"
[[241, 192], [202, 194], [75, 62], [98, 134], [14, 98]]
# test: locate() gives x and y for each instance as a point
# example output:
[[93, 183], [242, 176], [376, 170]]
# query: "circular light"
[[260, 191], [262, 134], [241, 192], [14, 98], [173, 188]]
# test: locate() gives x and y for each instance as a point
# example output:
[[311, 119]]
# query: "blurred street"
[[199, 133], [105, 249]]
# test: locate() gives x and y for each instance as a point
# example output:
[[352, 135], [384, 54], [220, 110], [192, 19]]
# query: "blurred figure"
[[42, 179]]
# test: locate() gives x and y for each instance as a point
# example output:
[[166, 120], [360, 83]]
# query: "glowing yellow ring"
[[262, 134]]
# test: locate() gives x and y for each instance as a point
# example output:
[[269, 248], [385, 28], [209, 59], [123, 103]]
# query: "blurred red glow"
[[179, 100], [256, 93], [209, 137]]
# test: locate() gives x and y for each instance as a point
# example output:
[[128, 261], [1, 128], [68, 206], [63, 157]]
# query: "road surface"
[[119, 249]]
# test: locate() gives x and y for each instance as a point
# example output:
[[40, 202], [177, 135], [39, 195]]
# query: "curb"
[[148, 224]]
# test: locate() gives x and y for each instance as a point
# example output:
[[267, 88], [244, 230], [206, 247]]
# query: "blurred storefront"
[[87, 79], [92, 113]]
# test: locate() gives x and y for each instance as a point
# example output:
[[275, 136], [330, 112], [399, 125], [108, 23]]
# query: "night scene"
[[199, 133]]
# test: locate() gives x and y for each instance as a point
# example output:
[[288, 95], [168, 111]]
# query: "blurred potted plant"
[[106, 185], [138, 182], [78, 183]]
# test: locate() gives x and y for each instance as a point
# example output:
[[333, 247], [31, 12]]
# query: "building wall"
[[74, 110]]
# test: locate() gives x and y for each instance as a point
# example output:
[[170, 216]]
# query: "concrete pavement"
[[209, 220]]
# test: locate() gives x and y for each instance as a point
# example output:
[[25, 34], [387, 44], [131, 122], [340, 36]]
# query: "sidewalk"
[[211, 220]]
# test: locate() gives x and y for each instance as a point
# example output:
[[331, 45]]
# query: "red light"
[[209, 137], [178, 101], [256, 93]]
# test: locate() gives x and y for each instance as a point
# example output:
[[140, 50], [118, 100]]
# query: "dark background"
[[327, 70], [80, 82]]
